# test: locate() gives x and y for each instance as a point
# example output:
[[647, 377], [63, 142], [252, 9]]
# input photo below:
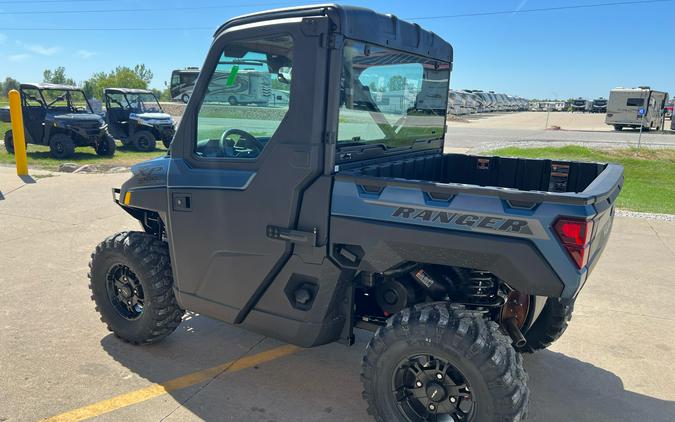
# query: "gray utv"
[[60, 117], [136, 118], [339, 210]]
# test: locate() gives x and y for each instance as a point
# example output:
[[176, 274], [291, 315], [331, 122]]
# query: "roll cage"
[[45, 103]]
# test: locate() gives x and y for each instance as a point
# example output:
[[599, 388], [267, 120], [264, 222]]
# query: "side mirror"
[[284, 74]]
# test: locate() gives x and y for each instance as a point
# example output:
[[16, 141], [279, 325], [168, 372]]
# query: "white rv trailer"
[[625, 105], [248, 86], [581, 105]]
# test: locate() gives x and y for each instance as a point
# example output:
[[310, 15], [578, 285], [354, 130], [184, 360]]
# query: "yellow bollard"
[[19, 138]]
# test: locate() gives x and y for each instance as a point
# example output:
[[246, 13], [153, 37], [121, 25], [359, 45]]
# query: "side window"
[[247, 97], [32, 98], [117, 101], [635, 102]]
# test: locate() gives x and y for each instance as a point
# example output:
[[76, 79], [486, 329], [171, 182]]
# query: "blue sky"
[[562, 53]]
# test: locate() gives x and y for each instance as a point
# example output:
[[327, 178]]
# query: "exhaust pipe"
[[514, 332]]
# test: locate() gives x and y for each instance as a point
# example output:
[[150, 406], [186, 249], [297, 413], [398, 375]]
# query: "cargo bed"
[[507, 177]]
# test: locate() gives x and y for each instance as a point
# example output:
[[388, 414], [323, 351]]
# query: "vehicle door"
[[117, 114], [33, 114], [238, 173]]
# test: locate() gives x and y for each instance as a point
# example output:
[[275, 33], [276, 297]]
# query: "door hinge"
[[332, 41], [329, 137]]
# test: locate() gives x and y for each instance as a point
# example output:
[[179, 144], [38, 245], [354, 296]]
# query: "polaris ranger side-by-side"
[[60, 117], [306, 221], [136, 118]]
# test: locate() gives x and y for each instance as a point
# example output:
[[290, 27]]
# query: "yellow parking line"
[[156, 390]]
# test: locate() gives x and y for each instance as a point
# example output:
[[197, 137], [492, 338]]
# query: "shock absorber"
[[480, 286]]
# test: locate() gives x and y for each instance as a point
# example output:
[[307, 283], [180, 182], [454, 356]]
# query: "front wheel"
[[132, 286], [442, 362], [61, 146], [144, 141], [105, 147]]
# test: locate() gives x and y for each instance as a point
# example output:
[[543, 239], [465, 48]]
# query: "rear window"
[[391, 98], [635, 102]]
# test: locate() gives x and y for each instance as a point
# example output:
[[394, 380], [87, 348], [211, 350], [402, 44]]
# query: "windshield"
[[143, 103], [390, 98], [66, 101]]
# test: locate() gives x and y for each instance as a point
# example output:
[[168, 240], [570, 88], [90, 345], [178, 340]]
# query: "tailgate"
[[603, 220]]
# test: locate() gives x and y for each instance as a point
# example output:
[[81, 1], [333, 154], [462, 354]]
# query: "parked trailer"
[[182, 83], [599, 105], [581, 105], [251, 84], [625, 104]]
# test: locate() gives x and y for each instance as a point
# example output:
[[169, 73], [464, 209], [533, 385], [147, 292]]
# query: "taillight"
[[575, 236]]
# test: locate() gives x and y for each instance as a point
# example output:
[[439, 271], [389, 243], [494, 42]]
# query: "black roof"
[[51, 86], [361, 24], [126, 91]]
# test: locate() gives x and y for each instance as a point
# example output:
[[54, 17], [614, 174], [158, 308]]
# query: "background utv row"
[[62, 118]]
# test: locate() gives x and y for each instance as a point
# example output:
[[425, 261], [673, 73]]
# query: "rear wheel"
[[618, 128], [106, 146], [144, 141], [61, 146], [232, 100], [185, 98], [166, 142], [550, 325], [9, 142], [440, 362], [132, 286]]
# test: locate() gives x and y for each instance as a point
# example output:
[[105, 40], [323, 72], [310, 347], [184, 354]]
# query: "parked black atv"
[[136, 118], [60, 116]]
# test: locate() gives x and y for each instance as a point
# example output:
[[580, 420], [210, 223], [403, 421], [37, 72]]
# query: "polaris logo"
[[472, 221]]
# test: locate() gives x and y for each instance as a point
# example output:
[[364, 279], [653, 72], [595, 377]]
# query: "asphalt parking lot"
[[615, 363]]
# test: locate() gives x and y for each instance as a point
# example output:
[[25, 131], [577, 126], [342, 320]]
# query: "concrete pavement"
[[613, 364]]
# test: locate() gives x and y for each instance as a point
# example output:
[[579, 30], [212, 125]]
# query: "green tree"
[[9, 85], [58, 76], [122, 77], [162, 94], [143, 73]]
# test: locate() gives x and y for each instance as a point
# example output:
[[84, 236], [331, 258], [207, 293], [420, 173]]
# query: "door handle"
[[293, 236]]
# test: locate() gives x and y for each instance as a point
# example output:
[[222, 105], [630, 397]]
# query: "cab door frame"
[[294, 155]]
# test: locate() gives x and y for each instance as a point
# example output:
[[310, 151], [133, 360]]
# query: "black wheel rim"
[[59, 148], [429, 388], [125, 292], [143, 142]]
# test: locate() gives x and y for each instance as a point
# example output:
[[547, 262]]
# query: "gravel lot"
[[594, 122]]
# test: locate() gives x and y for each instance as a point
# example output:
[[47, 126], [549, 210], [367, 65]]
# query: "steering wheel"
[[246, 140]]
